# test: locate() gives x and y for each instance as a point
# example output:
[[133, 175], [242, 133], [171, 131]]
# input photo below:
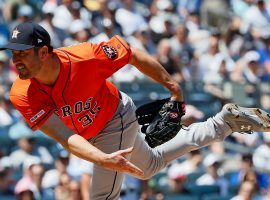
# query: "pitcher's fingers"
[[133, 169], [126, 151]]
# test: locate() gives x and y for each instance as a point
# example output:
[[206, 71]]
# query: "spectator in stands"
[[68, 164], [63, 15], [85, 183], [214, 65], [251, 176], [214, 13], [193, 23], [57, 35], [264, 61], [246, 192], [213, 175], [32, 178], [178, 172], [160, 23], [62, 189], [247, 69], [11, 116], [141, 39], [185, 7], [177, 185], [25, 193], [167, 15], [129, 18], [5, 116], [104, 18], [75, 191], [183, 52], [261, 155], [266, 196], [107, 31], [52, 177], [235, 39], [247, 172], [131, 188], [24, 13], [6, 76], [193, 114], [165, 57], [245, 165], [250, 141], [186, 167], [79, 12], [82, 175], [205, 58], [219, 70], [78, 33], [217, 75], [6, 184], [257, 19], [240, 7], [27, 147]]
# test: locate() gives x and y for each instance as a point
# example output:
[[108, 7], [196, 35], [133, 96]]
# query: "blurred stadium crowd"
[[218, 50]]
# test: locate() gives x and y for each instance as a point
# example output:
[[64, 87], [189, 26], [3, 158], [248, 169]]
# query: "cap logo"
[[15, 33], [39, 40]]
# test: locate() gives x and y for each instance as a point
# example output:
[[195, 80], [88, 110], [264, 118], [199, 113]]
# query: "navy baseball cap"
[[26, 36]]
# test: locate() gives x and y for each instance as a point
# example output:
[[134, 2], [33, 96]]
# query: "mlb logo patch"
[[109, 51], [38, 115]]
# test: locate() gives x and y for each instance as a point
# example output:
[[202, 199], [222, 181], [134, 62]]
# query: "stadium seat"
[[6, 143], [181, 197], [192, 177], [159, 182], [217, 197], [203, 189]]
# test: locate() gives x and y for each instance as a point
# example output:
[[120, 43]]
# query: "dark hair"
[[247, 157]]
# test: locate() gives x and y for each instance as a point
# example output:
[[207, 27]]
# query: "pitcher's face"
[[27, 63]]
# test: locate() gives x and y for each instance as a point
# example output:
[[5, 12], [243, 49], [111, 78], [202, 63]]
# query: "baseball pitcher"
[[65, 93]]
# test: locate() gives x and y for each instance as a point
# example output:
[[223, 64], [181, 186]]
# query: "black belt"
[[120, 95]]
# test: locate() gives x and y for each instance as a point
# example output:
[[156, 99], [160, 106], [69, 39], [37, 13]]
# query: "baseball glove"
[[160, 120]]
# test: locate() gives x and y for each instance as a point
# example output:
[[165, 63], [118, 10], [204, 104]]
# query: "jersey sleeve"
[[35, 107], [112, 55]]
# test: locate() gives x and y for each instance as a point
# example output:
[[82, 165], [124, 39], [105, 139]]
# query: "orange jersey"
[[81, 96]]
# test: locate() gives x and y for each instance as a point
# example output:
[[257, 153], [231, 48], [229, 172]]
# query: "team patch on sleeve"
[[110, 52]]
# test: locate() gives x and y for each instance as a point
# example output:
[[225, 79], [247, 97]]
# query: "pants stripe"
[[120, 144]]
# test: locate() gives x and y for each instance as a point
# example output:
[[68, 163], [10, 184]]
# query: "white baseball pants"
[[123, 132]]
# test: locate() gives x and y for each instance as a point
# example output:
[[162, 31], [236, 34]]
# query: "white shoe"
[[247, 120]]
